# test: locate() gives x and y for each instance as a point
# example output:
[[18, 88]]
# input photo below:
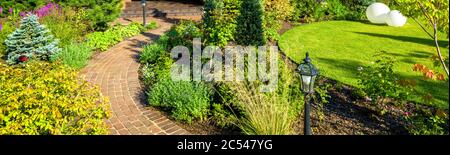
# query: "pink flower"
[[10, 11], [406, 114], [1, 10]]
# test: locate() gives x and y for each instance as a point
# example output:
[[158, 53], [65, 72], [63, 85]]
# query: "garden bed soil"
[[346, 114], [285, 27]]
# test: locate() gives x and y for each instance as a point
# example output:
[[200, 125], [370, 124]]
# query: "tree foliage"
[[435, 14]]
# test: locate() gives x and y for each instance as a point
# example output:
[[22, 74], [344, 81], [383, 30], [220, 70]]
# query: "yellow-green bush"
[[275, 11], [40, 98]]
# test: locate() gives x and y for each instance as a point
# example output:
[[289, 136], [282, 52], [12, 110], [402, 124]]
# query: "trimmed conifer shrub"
[[250, 29]]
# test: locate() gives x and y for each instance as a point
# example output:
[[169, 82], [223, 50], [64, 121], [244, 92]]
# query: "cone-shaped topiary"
[[31, 41], [250, 30]]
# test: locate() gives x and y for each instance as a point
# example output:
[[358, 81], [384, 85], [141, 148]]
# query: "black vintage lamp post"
[[144, 10], [308, 74]]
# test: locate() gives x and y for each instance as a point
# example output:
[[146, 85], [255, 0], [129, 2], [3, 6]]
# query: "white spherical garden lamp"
[[395, 18], [376, 13]]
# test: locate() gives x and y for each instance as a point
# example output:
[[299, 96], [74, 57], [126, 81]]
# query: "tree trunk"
[[438, 49]]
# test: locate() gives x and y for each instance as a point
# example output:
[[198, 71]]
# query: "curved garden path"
[[116, 73]]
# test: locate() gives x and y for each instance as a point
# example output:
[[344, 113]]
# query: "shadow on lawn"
[[346, 65], [407, 57], [422, 41], [438, 89]]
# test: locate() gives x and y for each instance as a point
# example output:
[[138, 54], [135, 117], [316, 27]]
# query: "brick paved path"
[[116, 72]]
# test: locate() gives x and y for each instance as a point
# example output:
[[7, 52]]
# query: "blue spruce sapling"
[[31, 41]]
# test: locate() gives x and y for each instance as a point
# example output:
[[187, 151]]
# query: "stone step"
[[160, 15], [163, 8]]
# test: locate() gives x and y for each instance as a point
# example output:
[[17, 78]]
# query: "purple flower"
[[1, 10], [22, 14], [1, 27], [46, 10], [10, 11]]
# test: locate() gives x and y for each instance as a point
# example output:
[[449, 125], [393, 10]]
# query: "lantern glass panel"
[[308, 83]]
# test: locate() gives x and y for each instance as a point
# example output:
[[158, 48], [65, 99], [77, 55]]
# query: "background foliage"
[[99, 12]]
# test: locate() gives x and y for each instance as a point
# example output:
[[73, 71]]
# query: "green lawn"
[[338, 48]]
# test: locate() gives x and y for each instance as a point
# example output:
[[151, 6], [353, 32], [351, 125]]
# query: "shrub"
[[275, 11], [304, 9], [103, 40], [185, 100], [311, 10], [357, 8], [219, 21], [163, 41], [151, 53], [99, 12], [427, 124], [75, 55], [31, 40], [157, 64], [150, 26], [67, 25], [183, 34], [49, 99], [222, 116], [250, 29], [152, 73], [380, 82], [331, 10]]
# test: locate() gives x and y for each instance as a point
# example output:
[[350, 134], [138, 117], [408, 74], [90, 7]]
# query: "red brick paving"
[[116, 72]]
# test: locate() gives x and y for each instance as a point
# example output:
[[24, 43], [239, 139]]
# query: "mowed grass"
[[338, 48]]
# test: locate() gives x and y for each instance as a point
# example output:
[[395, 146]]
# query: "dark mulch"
[[346, 114]]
